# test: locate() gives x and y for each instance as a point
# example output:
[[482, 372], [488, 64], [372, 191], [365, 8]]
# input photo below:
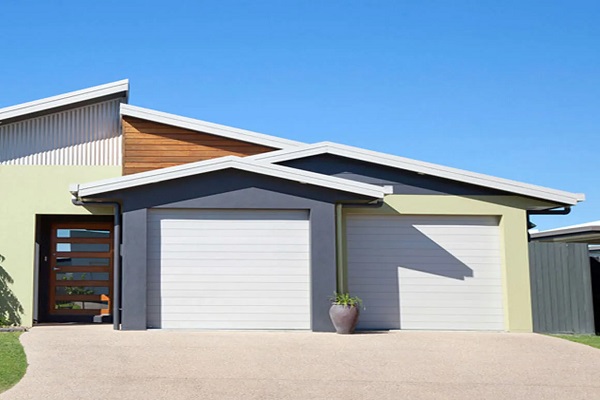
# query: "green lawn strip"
[[590, 340], [12, 360]]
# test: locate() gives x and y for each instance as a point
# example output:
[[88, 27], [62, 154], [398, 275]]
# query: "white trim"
[[201, 167], [64, 99], [425, 168], [207, 127]]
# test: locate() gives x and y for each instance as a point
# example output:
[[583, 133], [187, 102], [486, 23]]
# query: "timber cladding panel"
[[149, 145]]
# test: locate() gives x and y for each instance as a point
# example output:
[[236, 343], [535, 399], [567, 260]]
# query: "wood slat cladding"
[[149, 145]]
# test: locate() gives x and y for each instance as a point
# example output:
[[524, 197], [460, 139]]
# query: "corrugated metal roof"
[[76, 98]]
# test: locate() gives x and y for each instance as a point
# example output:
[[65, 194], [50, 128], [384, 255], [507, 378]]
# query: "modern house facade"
[[154, 220]]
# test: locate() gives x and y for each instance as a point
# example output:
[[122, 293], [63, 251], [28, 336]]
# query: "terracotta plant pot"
[[344, 318]]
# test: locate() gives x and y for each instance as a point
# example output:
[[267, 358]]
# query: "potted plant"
[[344, 312]]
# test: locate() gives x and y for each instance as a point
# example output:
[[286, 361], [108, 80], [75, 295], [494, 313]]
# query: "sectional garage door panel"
[[222, 269], [429, 272]]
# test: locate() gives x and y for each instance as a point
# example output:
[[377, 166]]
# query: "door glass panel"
[[79, 290], [82, 247], [80, 258], [82, 276], [81, 305], [82, 233], [81, 262]]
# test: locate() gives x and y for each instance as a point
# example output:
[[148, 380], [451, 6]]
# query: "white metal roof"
[[424, 168], [217, 164], [587, 232], [65, 99], [207, 127], [592, 224]]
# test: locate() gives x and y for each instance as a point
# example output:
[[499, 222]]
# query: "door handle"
[[55, 269]]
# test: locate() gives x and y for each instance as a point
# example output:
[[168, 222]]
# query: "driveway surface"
[[95, 362]]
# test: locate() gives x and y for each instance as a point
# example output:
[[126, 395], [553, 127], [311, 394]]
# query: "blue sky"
[[508, 88]]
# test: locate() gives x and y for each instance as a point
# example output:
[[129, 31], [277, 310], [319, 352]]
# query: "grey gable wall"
[[404, 182], [229, 189]]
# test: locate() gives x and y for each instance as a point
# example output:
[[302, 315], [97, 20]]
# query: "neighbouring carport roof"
[[229, 162], [423, 168], [588, 232], [65, 100]]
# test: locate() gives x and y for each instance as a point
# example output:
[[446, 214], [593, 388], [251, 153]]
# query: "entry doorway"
[[75, 268]]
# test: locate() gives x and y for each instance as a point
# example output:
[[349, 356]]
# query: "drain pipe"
[[339, 248], [116, 254]]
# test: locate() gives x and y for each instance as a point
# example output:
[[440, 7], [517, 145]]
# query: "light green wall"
[[27, 191], [513, 227]]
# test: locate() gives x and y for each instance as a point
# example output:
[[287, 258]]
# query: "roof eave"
[[561, 198], [20, 111], [208, 127], [191, 169]]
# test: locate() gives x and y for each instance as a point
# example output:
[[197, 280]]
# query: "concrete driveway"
[[95, 362]]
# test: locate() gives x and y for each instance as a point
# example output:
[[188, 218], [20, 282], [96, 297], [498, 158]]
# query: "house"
[[153, 220]]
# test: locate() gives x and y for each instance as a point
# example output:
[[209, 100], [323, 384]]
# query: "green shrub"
[[344, 299]]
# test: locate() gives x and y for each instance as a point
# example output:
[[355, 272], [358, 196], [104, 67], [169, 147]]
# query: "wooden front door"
[[81, 269]]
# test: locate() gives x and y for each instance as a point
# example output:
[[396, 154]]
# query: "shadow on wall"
[[10, 308], [378, 259]]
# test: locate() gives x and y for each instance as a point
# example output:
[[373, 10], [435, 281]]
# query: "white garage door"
[[433, 272], [221, 269]]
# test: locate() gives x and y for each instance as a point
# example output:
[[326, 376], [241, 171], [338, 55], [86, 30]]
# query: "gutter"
[[116, 301], [565, 210], [553, 211]]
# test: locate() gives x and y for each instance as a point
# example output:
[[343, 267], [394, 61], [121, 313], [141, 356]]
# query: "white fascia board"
[[420, 167], [207, 127], [64, 99], [201, 167]]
